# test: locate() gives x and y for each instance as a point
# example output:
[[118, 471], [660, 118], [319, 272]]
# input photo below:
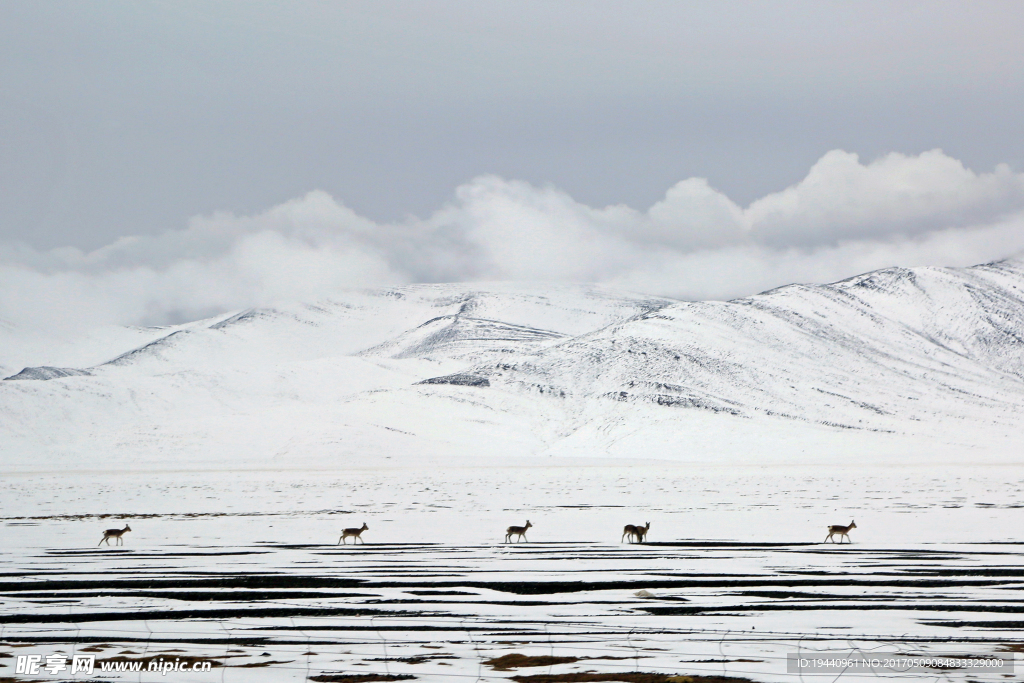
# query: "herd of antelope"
[[635, 533]]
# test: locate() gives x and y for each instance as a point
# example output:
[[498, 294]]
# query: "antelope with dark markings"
[[841, 530], [519, 531], [114, 533], [638, 532], [355, 533]]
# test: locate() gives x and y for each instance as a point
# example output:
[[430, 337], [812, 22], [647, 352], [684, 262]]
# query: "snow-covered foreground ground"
[[243, 567]]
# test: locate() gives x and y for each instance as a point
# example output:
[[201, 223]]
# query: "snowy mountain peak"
[[899, 363]]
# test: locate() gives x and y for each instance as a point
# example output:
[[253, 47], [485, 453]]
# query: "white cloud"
[[842, 199], [844, 218]]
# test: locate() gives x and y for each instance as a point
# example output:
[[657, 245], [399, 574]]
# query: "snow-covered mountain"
[[898, 365]]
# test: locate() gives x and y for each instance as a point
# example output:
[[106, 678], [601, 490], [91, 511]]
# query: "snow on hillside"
[[21, 348], [930, 352], [899, 365]]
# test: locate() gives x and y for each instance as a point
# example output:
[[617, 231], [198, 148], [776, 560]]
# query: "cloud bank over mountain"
[[845, 217]]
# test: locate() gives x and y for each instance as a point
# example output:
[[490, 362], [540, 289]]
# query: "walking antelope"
[[519, 531], [116, 533], [357, 533], [635, 531], [841, 530]]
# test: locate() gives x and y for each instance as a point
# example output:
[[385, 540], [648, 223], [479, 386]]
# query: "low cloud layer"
[[844, 218]]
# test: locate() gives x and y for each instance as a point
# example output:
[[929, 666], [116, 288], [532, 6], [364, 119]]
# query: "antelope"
[[519, 531], [638, 531], [841, 530], [116, 533], [357, 533]]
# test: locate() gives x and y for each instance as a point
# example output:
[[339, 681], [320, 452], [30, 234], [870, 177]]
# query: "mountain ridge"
[[901, 361]]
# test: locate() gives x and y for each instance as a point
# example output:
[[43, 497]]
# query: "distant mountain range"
[[898, 365]]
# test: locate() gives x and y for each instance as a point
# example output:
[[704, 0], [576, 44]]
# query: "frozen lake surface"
[[243, 567]]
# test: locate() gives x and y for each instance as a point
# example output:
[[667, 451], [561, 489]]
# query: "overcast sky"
[[216, 155]]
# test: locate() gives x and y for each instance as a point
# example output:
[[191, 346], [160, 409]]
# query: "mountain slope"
[[895, 365], [862, 353]]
